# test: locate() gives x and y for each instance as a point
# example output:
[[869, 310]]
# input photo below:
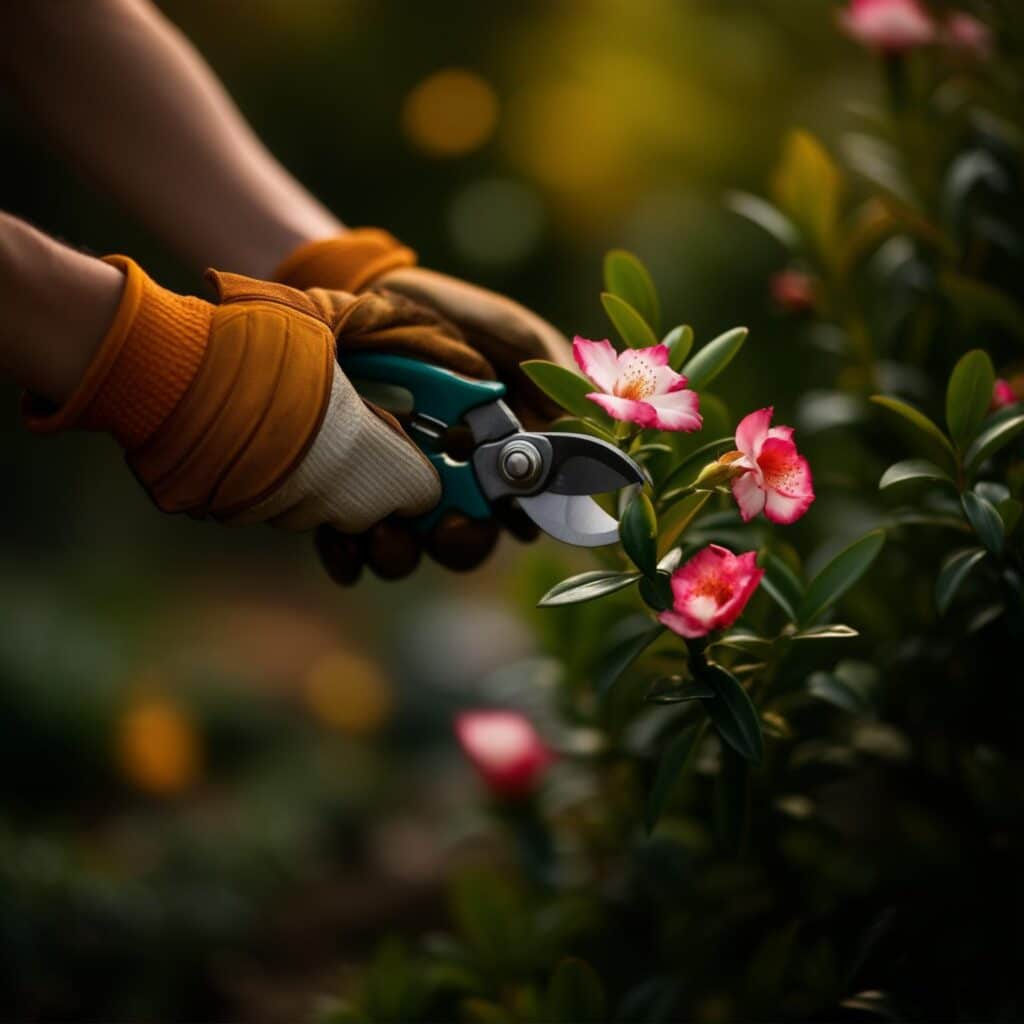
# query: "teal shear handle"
[[440, 398]]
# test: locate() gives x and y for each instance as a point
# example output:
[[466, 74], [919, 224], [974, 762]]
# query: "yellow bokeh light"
[[350, 693], [158, 750], [450, 113]]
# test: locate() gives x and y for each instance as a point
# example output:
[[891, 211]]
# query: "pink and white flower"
[[710, 591], [638, 385], [890, 26], [779, 479], [966, 35], [1002, 394], [505, 749]]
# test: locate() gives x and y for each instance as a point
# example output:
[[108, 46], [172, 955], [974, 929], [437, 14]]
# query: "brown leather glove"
[[502, 330], [239, 410]]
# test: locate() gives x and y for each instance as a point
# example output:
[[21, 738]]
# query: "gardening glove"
[[502, 330], [238, 410]]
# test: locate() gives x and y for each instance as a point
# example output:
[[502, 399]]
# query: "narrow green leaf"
[[638, 530], [575, 994], [676, 520], [623, 654], [807, 186], [676, 690], [732, 713], [991, 440], [656, 591], [628, 279], [578, 425], [913, 471], [686, 470], [984, 520], [954, 571], [782, 585], [830, 632], [742, 640], [1010, 510], [713, 358], [766, 216], [568, 389], [586, 587], [632, 327], [679, 341], [969, 395], [937, 440], [839, 575], [670, 767]]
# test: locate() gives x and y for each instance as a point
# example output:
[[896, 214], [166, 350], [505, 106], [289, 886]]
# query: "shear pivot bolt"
[[520, 463]]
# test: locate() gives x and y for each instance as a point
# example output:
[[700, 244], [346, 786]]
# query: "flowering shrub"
[[789, 775]]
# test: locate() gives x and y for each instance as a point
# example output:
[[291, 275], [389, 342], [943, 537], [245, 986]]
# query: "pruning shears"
[[552, 476]]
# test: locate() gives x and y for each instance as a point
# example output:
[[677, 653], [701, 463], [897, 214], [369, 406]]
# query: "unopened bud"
[[721, 471]]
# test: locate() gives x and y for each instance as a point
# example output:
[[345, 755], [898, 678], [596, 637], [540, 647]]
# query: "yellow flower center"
[[636, 382]]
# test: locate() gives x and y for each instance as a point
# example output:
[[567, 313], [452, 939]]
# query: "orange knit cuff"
[[143, 367], [346, 263]]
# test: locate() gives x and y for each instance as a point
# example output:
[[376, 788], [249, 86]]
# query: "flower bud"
[[722, 471], [505, 749]]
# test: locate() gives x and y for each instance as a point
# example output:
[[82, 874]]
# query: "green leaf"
[[807, 186], [670, 767], [979, 304], [638, 530], [782, 585], [567, 389], [766, 216], [742, 640], [579, 425], [994, 437], [679, 341], [937, 440], [656, 591], [628, 279], [839, 575], [575, 994], [676, 690], [969, 395], [587, 586], [984, 520], [685, 472], [623, 654], [732, 713], [632, 327], [832, 688], [679, 517], [713, 358], [913, 471], [954, 571], [831, 632]]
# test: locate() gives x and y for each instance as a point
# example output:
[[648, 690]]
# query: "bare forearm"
[[57, 306], [140, 110]]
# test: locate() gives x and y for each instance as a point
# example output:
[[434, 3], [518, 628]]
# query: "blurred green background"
[[223, 777]]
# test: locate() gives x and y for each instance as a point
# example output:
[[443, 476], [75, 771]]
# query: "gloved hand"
[[238, 410], [505, 332]]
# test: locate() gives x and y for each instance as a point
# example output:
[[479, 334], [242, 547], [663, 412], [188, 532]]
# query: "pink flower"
[[891, 26], [505, 749], [965, 34], [779, 482], [638, 385], [793, 291], [710, 591], [1002, 394]]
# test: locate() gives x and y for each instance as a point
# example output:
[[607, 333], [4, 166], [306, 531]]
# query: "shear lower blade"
[[571, 518]]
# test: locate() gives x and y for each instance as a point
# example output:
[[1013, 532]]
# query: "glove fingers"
[[425, 343], [340, 554], [461, 543], [392, 549]]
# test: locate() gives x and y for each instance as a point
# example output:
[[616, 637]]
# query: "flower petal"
[[677, 410], [626, 409], [598, 360], [749, 494], [681, 624], [784, 469], [752, 431], [785, 509]]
